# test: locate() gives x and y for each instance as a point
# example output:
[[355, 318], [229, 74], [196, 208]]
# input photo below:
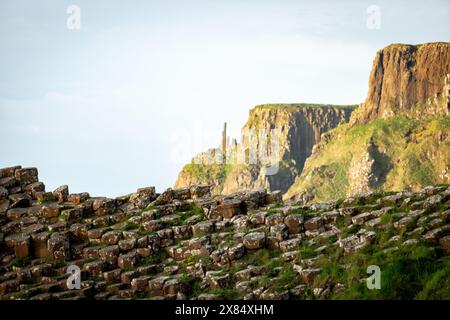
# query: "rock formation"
[[407, 80], [385, 178], [276, 140], [398, 138], [186, 244]]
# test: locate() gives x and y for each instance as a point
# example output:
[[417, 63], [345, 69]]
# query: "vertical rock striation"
[[407, 80], [398, 138], [276, 141]]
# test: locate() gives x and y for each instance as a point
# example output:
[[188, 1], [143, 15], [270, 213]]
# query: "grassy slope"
[[414, 149], [206, 174], [416, 271]]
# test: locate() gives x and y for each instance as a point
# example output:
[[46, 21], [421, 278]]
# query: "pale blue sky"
[[143, 85]]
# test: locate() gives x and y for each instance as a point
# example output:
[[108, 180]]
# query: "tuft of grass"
[[21, 262], [226, 293]]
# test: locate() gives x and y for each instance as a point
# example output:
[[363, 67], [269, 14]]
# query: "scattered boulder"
[[254, 240]]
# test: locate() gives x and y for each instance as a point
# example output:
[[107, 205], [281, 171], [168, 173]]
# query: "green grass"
[[187, 212], [130, 226], [408, 273], [226, 293], [207, 173], [21, 262], [288, 278], [409, 153], [350, 231], [260, 257], [306, 253], [152, 259], [48, 197]]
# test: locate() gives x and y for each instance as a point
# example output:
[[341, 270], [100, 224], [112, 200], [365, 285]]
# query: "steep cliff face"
[[407, 80], [398, 138], [276, 141]]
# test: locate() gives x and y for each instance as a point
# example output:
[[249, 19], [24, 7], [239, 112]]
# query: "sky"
[[129, 97]]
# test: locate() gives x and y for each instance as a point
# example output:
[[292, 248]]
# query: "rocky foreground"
[[187, 244]]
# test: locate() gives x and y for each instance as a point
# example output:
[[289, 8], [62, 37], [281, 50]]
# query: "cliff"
[[398, 138], [383, 155], [276, 141], [407, 80]]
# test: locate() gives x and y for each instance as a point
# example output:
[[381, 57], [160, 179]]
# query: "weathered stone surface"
[[61, 193], [128, 276], [309, 275], [22, 246], [258, 218], [103, 206], [274, 219], [279, 231], [156, 285], [51, 210], [254, 240], [59, 246], [200, 191], [8, 172], [142, 198], [294, 223], [26, 175], [33, 188], [361, 218], [109, 254], [174, 287], [349, 243], [273, 197], [95, 268], [217, 279], [79, 231], [236, 252], [39, 244], [128, 260], [111, 237], [314, 223], [72, 215], [445, 243], [16, 213], [78, 198], [227, 209], [290, 245], [9, 286], [202, 228], [19, 200], [128, 244], [140, 283], [165, 197], [241, 223]]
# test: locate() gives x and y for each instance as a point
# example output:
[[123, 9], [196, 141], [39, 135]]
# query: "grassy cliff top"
[[416, 46], [300, 105]]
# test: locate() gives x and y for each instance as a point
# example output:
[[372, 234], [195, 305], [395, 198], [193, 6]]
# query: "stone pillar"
[[224, 142]]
